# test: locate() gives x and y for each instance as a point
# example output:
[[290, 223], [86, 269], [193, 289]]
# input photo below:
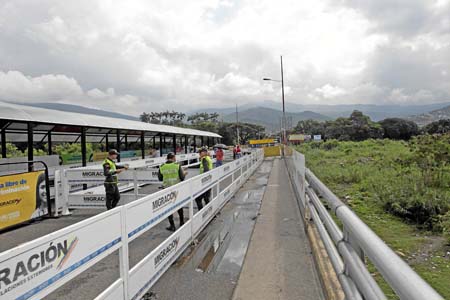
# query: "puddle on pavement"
[[212, 248], [224, 244]]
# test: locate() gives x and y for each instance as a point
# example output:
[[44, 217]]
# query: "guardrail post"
[[135, 182], [191, 213], [58, 193], [352, 241], [123, 254], [65, 190]]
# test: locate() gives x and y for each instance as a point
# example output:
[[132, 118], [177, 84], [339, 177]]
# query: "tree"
[[440, 127], [399, 129], [311, 127], [203, 117], [172, 118], [357, 127]]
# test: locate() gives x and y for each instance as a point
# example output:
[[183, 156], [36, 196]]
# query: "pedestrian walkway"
[[278, 263]]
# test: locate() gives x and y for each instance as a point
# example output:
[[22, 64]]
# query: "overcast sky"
[[130, 56]]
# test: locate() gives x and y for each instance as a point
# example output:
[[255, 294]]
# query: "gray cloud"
[[173, 54]]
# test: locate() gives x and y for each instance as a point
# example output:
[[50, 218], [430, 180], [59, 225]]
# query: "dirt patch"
[[431, 246]]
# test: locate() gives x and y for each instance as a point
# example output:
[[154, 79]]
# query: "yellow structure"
[[271, 151], [260, 142]]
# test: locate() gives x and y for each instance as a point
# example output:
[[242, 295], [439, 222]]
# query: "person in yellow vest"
[[170, 174], [110, 170], [206, 164]]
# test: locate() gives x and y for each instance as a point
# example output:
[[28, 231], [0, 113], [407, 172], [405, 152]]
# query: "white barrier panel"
[[141, 172], [202, 218], [205, 182], [148, 271], [35, 269], [146, 212]]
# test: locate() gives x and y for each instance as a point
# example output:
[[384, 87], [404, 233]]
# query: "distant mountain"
[[375, 112], [271, 118], [81, 110], [435, 115]]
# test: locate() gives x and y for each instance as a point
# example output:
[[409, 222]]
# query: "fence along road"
[[348, 249], [35, 269]]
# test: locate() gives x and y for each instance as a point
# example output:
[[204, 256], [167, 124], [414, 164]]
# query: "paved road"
[[279, 263], [210, 270]]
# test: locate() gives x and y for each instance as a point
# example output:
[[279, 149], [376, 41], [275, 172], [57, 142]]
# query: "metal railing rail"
[[349, 248]]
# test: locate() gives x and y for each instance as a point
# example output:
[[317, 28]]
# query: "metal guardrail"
[[348, 249]]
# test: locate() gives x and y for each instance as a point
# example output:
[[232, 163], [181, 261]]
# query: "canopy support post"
[[142, 144], [118, 144], [30, 146], [3, 143]]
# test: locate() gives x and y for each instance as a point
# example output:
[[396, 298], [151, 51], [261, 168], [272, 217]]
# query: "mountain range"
[[435, 115], [375, 112], [271, 118]]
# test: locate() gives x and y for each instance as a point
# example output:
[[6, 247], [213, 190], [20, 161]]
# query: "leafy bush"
[[357, 127], [407, 179], [399, 129], [441, 126]]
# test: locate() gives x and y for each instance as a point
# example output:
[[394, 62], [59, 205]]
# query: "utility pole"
[[282, 97], [237, 125]]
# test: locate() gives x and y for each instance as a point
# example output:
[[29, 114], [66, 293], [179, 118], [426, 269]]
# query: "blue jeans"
[[219, 163]]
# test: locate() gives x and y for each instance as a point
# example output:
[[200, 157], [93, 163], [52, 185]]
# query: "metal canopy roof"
[[22, 113]]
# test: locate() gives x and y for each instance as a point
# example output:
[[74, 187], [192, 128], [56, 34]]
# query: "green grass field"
[[386, 183]]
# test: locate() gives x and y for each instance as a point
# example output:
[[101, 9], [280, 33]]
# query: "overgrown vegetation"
[[401, 190], [359, 127], [13, 151]]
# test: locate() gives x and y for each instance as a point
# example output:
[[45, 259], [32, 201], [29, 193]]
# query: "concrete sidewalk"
[[278, 263]]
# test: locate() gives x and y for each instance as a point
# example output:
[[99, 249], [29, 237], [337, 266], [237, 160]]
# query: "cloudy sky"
[[130, 56]]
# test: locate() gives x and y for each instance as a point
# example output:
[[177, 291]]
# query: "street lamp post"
[[283, 125]]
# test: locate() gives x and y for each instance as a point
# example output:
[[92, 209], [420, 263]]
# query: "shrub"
[[399, 129]]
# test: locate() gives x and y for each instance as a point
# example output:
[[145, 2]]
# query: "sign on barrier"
[[98, 200], [97, 176], [22, 198], [35, 269]]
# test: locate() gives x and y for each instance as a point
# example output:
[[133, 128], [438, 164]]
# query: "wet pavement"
[[211, 269], [279, 263]]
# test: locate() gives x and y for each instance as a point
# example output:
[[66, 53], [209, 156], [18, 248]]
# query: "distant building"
[[296, 139]]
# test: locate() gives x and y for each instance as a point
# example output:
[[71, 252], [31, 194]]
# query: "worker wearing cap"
[[206, 164], [110, 170], [171, 173]]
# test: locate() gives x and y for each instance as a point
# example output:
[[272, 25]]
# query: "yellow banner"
[[297, 137], [20, 197], [99, 156], [266, 141], [271, 151]]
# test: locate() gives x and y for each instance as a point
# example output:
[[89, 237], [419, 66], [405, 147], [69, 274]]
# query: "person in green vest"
[[171, 173], [110, 170], [206, 164]]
